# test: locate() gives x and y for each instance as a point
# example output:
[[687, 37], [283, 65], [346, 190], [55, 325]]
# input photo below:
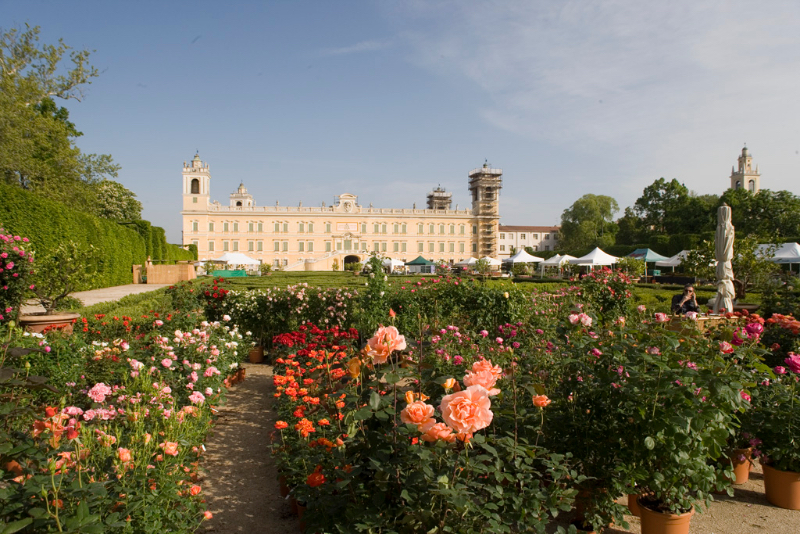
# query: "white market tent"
[[595, 257], [469, 262], [523, 257], [556, 261], [393, 263], [674, 261], [494, 262], [784, 253], [236, 258]]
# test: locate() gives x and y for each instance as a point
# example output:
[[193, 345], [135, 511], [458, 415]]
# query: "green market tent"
[[648, 255], [420, 261], [421, 265]]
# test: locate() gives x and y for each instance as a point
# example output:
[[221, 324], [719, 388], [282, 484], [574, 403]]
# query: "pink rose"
[[793, 362], [124, 455], [386, 340], [487, 379], [744, 395], [197, 398], [98, 392], [641, 308], [486, 365], [691, 315], [585, 319], [655, 351], [780, 370], [661, 317], [416, 413], [170, 447], [725, 347], [166, 362], [433, 432], [574, 318], [467, 411]]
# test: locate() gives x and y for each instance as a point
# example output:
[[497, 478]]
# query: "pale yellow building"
[[512, 239], [746, 176], [323, 237]]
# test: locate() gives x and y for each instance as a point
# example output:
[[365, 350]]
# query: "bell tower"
[[196, 185], [485, 184], [745, 177]]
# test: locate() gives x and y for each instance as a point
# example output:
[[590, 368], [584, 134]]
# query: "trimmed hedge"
[[47, 223]]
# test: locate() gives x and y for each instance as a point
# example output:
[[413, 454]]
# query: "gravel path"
[[240, 484]]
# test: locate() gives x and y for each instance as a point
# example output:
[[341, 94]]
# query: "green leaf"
[[375, 400], [16, 526]]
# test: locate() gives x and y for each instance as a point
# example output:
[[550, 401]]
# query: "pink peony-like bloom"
[[754, 329], [98, 392], [641, 308], [433, 432], [573, 318], [166, 362], [209, 391], [595, 352], [585, 319], [197, 398], [725, 347], [486, 365], [467, 411], [416, 413], [793, 362], [780, 370], [487, 379], [386, 340], [661, 317]]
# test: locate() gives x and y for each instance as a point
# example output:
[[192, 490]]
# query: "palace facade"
[[323, 237]]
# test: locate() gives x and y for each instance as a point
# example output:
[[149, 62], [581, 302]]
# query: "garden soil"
[[241, 480]]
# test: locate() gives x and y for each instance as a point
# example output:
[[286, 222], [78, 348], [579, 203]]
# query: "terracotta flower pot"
[[301, 509], [659, 523], [39, 322], [284, 486], [633, 504], [256, 355], [782, 488], [741, 469]]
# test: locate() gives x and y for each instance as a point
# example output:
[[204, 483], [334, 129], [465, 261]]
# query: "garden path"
[[240, 483], [105, 294]]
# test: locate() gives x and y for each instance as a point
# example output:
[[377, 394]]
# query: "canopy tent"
[[392, 263], [236, 258], [556, 261], [469, 262], [674, 261], [494, 262], [523, 257], [784, 253], [648, 255], [421, 265], [595, 257]]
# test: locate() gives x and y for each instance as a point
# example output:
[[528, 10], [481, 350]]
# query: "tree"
[[661, 205], [37, 140], [752, 267], [116, 202], [631, 229], [767, 214], [588, 223], [699, 262]]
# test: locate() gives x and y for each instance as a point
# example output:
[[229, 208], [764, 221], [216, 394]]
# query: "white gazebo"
[[393, 264], [236, 258], [595, 257], [786, 253], [494, 262], [469, 262], [556, 261], [523, 257]]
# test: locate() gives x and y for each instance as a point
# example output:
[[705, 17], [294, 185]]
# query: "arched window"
[[195, 186], [752, 186], [238, 203], [738, 184]]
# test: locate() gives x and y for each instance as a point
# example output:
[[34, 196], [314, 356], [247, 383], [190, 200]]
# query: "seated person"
[[685, 302]]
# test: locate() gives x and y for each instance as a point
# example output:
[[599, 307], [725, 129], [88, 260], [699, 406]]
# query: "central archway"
[[351, 259]]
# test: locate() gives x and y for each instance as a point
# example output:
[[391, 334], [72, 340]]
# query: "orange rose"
[[416, 413], [467, 411], [486, 365], [354, 367], [124, 455], [316, 478], [386, 340], [482, 378], [433, 432], [449, 383], [195, 489], [280, 425], [540, 401]]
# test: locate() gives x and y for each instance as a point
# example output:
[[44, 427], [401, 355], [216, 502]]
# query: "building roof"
[[503, 228]]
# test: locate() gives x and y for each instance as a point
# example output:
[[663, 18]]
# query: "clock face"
[[347, 206]]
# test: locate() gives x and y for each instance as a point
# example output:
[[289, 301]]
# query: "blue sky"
[[303, 101]]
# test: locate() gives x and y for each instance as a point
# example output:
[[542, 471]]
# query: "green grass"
[[132, 305]]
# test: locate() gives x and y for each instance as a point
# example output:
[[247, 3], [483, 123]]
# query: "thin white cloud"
[[363, 46]]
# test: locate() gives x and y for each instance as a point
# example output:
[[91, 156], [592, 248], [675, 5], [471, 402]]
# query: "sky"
[[305, 100]]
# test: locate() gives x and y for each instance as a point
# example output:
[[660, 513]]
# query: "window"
[[452, 247], [383, 228], [211, 246], [285, 263], [310, 228], [250, 246], [286, 227], [555, 237], [276, 263], [396, 228], [364, 246], [224, 245], [339, 245], [441, 229], [195, 186], [364, 228], [752, 186], [235, 246], [194, 200], [431, 247], [547, 247], [327, 227], [502, 236], [502, 248], [236, 227], [195, 224], [311, 246], [195, 242], [420, 227], [536, 236], [403, 228], [250, 227], [536, 248], [277, 227], [286, 246], [238, 203], [522, 236], [277, 247], [376, 246], [475, 229], [327, 246], [301, 247], [260, 227], [403, 247], [300, 227], [441, 247], [376, 228], [383, 247], [461, 247], [260, 246], [396, 247], [431, 228], [474, 247], [224, 227], [461, 229], [547, 236], [452, 229], [420, 247]]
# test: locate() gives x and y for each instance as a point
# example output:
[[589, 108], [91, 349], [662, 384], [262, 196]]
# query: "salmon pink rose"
[[482, 378], [486, 365], [416, 413], [124, 455], [467, 411], [433, 432], [386, 340], [540, 401]]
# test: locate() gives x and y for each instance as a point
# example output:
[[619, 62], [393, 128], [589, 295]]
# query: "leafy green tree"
[[116, 202], [751, 267], [37, 147], [661, 205], [589, 222], [767, 214], [699, 262], [631, 229]]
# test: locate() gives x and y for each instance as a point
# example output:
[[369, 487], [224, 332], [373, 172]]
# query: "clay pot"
[[782, 488], [301, 509], [256, 355], [293, 505], [39, 322], [633, 505], [284, 486], [659, 523], [741, 469]]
